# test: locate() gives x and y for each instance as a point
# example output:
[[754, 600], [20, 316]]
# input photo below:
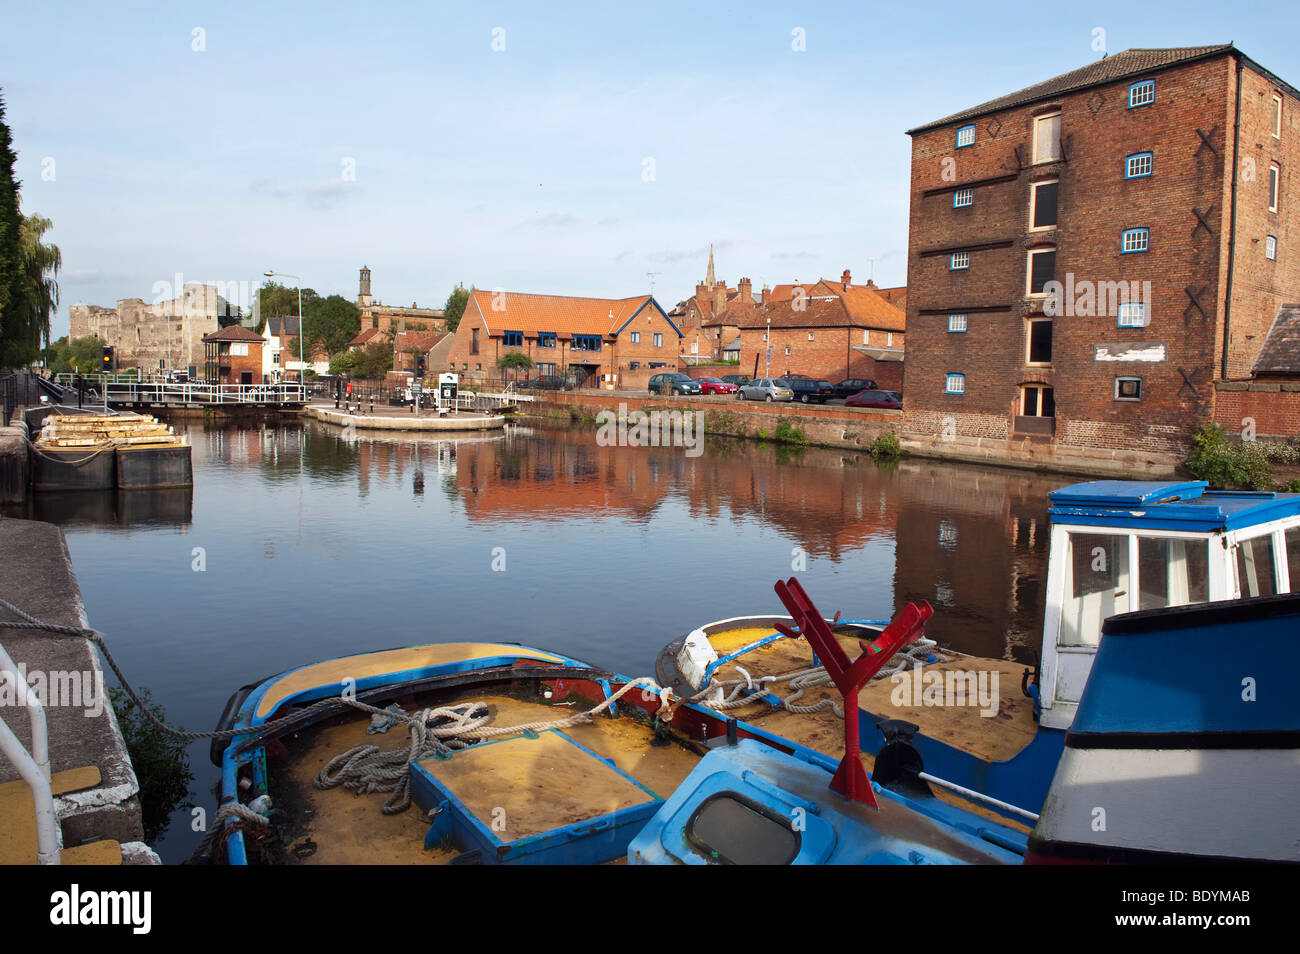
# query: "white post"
[[34, 767]]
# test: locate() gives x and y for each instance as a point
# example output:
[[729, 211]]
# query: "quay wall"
[[854, 428]]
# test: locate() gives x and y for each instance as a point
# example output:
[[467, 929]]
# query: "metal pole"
[[34, 767]]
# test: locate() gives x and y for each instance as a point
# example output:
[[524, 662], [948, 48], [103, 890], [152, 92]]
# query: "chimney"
[[746, 288], [701, 293], [719, 298], [846, 280], [870, 283], [766, 293]]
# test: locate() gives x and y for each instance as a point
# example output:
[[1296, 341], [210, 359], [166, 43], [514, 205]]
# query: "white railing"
[[158, 392], [33, 766]]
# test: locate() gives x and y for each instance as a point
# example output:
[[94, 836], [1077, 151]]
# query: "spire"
[[708, 279]]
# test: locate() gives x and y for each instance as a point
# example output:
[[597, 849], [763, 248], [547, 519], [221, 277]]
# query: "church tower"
[[363, 298]]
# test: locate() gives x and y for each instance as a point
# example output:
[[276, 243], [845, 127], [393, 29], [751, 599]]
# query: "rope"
[[245, 818]]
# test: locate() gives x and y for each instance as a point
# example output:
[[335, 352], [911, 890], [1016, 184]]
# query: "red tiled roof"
[[366, 335], [561, 314], [234, 333], [858, 307], [424, 340]]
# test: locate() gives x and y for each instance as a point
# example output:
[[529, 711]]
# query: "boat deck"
[[335, 827]]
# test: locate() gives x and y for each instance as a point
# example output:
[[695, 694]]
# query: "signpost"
[[447, 382], [416, 386]]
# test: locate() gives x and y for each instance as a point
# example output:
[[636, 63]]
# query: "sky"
[[579, 149]]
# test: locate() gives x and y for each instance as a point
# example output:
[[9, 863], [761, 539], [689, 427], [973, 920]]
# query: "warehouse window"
[[1128, 389], [1042, 267], [1038, 343], [957, 321], [1270, 248], [965, 136], [963, 197], [1133, 314], [1047, 138], [1274, 180], [1042, 204], [1277, 115], [1139, 94], [956, 384], [959, 260], [1138, 165], [1135, 240]]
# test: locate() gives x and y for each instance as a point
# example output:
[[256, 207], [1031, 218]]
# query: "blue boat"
[[1116, 547]]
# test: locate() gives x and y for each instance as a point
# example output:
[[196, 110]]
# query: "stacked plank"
[[70, 431]]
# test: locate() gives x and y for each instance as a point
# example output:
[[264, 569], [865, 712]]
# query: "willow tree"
[[41, 264], [11, 285]]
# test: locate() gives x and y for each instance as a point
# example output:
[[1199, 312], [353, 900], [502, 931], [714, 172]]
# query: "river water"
[[300, 543]]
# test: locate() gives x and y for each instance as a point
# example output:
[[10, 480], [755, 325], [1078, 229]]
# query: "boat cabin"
[[1120, 546]]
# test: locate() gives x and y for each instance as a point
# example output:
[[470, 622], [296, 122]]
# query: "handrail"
[[33, 766]]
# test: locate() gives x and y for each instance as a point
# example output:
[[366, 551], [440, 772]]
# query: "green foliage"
[[1293, 486], [789, 433], [329, 323], [1225, 465], [79, 354], [515, 359], [455, 306], [372, 361], [158, 759], [886, 447]]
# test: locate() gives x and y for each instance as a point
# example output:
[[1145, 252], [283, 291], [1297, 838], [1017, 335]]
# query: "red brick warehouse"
[[1084, 265]]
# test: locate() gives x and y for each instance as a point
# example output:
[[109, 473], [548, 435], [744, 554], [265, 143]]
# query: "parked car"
[[739, 380], [717, 386], [765, 389], [890, 400], [809, 390], [851, 386], [547, 382], [674, 382]]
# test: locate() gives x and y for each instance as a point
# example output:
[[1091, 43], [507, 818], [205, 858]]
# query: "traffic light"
[[419, 366], [106, 358]]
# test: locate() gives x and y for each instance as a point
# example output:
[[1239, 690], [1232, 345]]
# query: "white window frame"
[[1029, 272], [889, 339], [963, 194], [1029, 342], [1274, 186], [1127, 310], [954, 378], [1042, 119], [1150, 165], [1144, 86], [958, 321], [810, 336], [969, 140], [1270, 248], [866, 336], [963, 257], [1134, 240], [659, 339], [1277, 115], [636, 337], [1128, 377], [1033, 204]]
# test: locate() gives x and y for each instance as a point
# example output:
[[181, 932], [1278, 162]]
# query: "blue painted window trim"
[[546, 339], [952, 262], [963, 205], [1128, 161], [947, 383], [512, 339], [1119, 318], [965, 322], [963, 145], [1143, 84], [586, 343], [1123, 240]]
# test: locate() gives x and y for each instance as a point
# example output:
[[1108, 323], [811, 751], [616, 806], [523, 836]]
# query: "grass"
[[886, 447]]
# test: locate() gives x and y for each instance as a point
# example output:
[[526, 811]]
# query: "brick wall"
[[1096, 204], [1273, 406]]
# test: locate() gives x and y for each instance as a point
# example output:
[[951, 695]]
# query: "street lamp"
[[302, 363]]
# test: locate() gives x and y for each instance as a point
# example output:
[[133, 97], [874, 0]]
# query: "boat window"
[[734, 830], [1293, 557], [1096, 587], [1255, 574], [1172, 572]]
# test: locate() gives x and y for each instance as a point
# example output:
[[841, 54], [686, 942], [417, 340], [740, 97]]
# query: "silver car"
[[765, 389]]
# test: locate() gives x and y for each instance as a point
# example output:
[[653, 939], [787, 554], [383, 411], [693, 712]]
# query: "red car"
[[716, 386], [889, 400]]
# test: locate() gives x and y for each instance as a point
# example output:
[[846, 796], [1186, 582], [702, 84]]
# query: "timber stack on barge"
[[103, 451]]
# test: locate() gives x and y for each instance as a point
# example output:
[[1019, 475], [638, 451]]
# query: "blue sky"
[[314, 138]]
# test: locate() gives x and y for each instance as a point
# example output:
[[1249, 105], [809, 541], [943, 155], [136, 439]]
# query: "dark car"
[[547, 382], [739, 380], [851, 386], [673, 382], [888, 400], [809, 390]]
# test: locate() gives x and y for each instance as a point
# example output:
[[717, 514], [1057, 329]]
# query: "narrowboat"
[[993, 726]]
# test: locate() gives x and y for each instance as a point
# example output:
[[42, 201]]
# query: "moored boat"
[[991, 726]]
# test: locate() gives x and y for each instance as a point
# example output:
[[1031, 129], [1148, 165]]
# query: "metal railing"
[[159, 392], [33, 766]]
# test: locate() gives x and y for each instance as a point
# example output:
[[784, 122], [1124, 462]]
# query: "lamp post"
[[302, 380]]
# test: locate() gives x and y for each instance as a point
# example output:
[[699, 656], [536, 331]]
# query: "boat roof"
[[1167, 505]]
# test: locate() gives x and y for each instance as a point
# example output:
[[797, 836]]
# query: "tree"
[[12, 274], [455, 306], [515, 359], [79, 354], [41, 264], [330, 322]]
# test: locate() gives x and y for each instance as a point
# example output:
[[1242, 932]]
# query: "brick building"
[[844, 331], [391, 319], [1083, 265], [233, 356], [434, 345]]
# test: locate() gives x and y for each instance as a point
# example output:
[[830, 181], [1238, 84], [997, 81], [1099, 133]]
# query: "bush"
[[1225, 465], [159, 760], [886, 447], [789, 434]]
